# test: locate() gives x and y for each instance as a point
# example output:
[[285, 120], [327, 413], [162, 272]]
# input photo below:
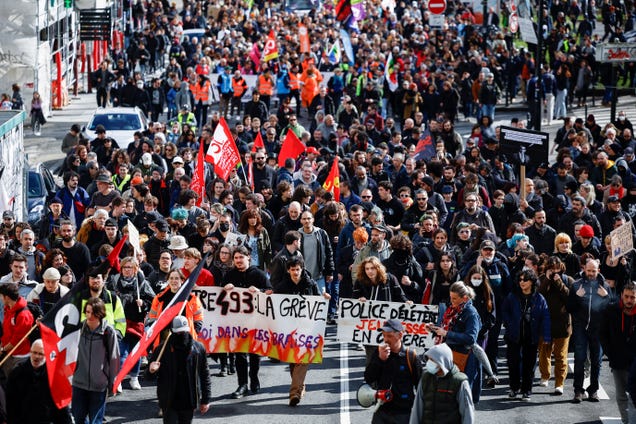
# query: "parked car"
[[41, 187], [121, 123]]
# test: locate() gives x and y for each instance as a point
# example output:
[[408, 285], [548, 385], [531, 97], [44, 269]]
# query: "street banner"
[[290, 328], [622, 241], [360, 322]]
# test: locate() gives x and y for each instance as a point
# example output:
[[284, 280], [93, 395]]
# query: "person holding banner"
[[375, 283], [183, 379], [297, 281], [249, 277], [17, 323]]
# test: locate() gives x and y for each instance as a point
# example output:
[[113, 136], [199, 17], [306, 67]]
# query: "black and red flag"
[[60, 332], [174, 308]]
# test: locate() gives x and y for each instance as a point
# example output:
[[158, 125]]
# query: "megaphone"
[[367, 396]]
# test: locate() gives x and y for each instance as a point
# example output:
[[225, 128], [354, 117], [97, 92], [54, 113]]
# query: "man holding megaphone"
[[394, 371]]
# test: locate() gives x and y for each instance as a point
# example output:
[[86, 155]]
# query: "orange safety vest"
[[294, 81], [265, 86], [201, 93], [238, 86]]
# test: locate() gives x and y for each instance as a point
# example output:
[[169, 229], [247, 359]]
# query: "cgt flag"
[[271, 49], [174, 308], [390, 74], [292, 147], [332, 183], [223, 152]]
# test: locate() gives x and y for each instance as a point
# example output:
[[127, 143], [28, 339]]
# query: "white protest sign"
[[133, 236], [360, 322], [286, 327], [622, 240]]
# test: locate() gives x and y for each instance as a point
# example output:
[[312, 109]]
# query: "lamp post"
[[538, 66]]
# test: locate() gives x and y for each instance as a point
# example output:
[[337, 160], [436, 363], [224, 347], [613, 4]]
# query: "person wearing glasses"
[[527, 321], [136, 297], [411, 220]]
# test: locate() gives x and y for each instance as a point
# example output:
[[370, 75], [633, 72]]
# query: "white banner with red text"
[[286, 327], [360, 322]]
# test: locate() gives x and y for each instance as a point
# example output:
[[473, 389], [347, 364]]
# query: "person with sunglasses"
[[527, 320]]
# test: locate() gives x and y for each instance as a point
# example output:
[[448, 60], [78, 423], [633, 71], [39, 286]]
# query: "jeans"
[[473, 371], [560, 108], [102, 97], [321, 283], [584, 339], [492, 346], [87, 403], [622, 397], [558, 346], [125, 346], [522, 357], [488, 110], [549, 108], [333, 289]]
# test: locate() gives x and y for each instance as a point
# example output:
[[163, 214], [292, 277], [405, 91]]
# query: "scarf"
[[450, 316]]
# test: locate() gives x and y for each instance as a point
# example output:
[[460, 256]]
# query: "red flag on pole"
[[113, 257], [223, 152], [255, 55], [258, 143], [270, 51], [198, 179], [174, 308], [332, 183], [291, 148], [250, 170]]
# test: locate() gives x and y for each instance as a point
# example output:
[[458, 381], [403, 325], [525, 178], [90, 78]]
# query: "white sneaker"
[[544, 383], [119, 389], [558, 390], [134, 383]]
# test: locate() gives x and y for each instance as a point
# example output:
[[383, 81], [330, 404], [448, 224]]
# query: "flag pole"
[[244, 174], [8, 355], [163, 348]]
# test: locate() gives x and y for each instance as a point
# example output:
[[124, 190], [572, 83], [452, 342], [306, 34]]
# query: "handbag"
[[460, 359]]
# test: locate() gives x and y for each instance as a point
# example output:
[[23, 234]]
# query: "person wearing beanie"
[[48, 293], [587, 242]]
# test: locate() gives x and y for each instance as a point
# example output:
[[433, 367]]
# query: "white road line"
[[344, 384], [602, 394], [610, 420]]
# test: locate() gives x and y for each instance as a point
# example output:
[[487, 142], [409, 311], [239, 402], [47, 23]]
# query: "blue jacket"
[[79, 202], [465, 329], [539, 318], [346, 235]]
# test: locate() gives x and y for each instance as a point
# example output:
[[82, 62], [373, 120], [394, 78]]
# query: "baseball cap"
[[178, 159], [487, 244], [146, 158], [180, 325], [613, 198], [447, 189], [629, 151], [100, 129], [162, 226], [56, 200], [392, 325], [110, 222]]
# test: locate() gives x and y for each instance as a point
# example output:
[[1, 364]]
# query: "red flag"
[[258, 143], [332, 183], [113, 257], [223, 152], [174, 308], [60, 332], [270, 51], [303, 36], [198, 179], [291, 148]]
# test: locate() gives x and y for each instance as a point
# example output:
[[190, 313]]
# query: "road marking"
[[610, 420], [344, 384], [602, 394]]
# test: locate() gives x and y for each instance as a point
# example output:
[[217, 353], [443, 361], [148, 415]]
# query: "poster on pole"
[[286, 327], [360, 322], [622, 241], [133, 237]]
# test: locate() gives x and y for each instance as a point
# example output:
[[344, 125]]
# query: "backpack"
[[37, 313]]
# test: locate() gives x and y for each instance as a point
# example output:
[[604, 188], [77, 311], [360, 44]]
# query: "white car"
[[121, 123]]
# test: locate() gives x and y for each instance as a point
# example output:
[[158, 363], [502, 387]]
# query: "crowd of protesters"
[[534, 254]]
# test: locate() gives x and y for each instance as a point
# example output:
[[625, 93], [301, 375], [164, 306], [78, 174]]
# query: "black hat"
[[447, 189], [102, 178], [381, 228], [367, 206], [487, 244], [110, 222], [428, 180], [56, 200], [8, 214], [162, 226], [100, 129], [613, 198]]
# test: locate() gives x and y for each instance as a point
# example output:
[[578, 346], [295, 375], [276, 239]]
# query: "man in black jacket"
[[279, 263], [541, 234], [619, 343], [247, 277], [183, 374]]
